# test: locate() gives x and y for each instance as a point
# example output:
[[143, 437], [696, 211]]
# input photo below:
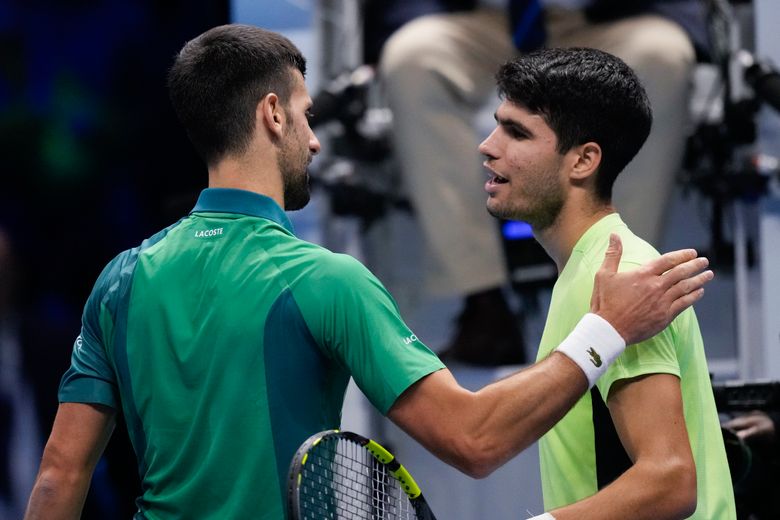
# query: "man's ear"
[[587, 159], [270, 115]]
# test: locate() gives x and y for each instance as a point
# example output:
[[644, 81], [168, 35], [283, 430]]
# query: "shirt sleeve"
[[356, 322], [91, 377], [656, 355]]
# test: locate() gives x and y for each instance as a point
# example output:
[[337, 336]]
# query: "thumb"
[[608, 267], [613, 254]]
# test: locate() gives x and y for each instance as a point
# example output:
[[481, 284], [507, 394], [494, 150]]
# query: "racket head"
[[344, 475]]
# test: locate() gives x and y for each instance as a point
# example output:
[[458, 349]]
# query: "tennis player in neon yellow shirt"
[[646, 441]]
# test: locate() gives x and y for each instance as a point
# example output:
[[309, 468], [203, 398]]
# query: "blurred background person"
[[19, 433], [755, 460], [756, 427]]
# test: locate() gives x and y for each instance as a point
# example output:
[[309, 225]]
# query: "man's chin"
[[497, 211], [297, 194], [299, 201]]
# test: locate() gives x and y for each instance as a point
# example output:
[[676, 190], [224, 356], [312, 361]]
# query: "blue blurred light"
[[516, 230]]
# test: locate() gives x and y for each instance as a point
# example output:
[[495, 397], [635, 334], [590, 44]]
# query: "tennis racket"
[[345, 476]]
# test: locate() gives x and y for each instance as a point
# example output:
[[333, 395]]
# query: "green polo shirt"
[[582, 453], [227, 341]]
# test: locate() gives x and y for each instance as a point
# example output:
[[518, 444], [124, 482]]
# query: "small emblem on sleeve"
[[594, 357], [410, 339], [79, 343]]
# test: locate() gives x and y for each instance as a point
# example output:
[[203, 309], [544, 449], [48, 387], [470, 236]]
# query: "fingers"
[[750, 430], [739, 423], [671, 260], [754, 425], [683, 302], [689, 285], [613, 254], [685, 272], [747, 432], [688, 291]]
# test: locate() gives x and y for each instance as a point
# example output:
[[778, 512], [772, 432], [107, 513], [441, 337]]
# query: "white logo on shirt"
[[410, 339], [79, 343], [208, 232]]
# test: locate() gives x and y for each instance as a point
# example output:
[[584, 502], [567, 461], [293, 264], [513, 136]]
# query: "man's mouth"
[[495, 178]]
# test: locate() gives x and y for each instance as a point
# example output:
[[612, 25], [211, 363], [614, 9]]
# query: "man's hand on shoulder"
[[642, 302]]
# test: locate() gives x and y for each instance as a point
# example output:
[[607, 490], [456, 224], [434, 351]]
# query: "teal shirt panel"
[[92, 376], [568, 456], [228, 342]]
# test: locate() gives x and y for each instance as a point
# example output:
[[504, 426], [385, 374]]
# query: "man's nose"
[[314, 144]]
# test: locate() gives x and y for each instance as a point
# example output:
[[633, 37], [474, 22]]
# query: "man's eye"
[[309, 115], [516, 133]]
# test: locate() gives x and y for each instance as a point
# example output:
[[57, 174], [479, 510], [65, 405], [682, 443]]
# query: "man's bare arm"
[[78, 438], [479, 431], [661, 484]]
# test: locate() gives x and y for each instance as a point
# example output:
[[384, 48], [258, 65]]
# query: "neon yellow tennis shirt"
[[582, 453], [226, 342]]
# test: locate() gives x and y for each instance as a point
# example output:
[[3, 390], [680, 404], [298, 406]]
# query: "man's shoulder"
[[121, 266], [322, 259], [306, 264], [636, 250], [576, 282]]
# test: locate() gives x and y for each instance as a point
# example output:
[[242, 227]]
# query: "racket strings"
[[341, 480]]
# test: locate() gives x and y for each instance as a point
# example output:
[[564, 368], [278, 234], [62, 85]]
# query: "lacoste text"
[[208, 232]]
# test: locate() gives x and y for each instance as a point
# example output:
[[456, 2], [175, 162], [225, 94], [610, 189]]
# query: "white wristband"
[[593, 345], [545, 516]]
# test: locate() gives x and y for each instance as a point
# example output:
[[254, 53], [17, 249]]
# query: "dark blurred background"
[[93, 161]]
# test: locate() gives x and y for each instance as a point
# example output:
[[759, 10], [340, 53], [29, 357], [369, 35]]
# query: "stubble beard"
[[296, 190], [541, 213], [295, 179]]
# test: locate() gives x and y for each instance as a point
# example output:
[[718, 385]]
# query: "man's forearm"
[[653, 491], [477, 432], [57, 496], [522, 408], [79, 435]]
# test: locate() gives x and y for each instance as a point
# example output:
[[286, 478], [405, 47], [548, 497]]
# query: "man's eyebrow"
[[511, 124]]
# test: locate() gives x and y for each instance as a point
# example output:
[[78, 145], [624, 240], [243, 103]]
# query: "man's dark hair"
[[219, 77], [583, 95]]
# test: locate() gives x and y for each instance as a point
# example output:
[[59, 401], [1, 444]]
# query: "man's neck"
[[250, 174], [559, 239]]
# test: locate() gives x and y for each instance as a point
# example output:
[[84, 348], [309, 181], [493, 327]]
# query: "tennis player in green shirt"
[[225, 341], [645, 442]]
